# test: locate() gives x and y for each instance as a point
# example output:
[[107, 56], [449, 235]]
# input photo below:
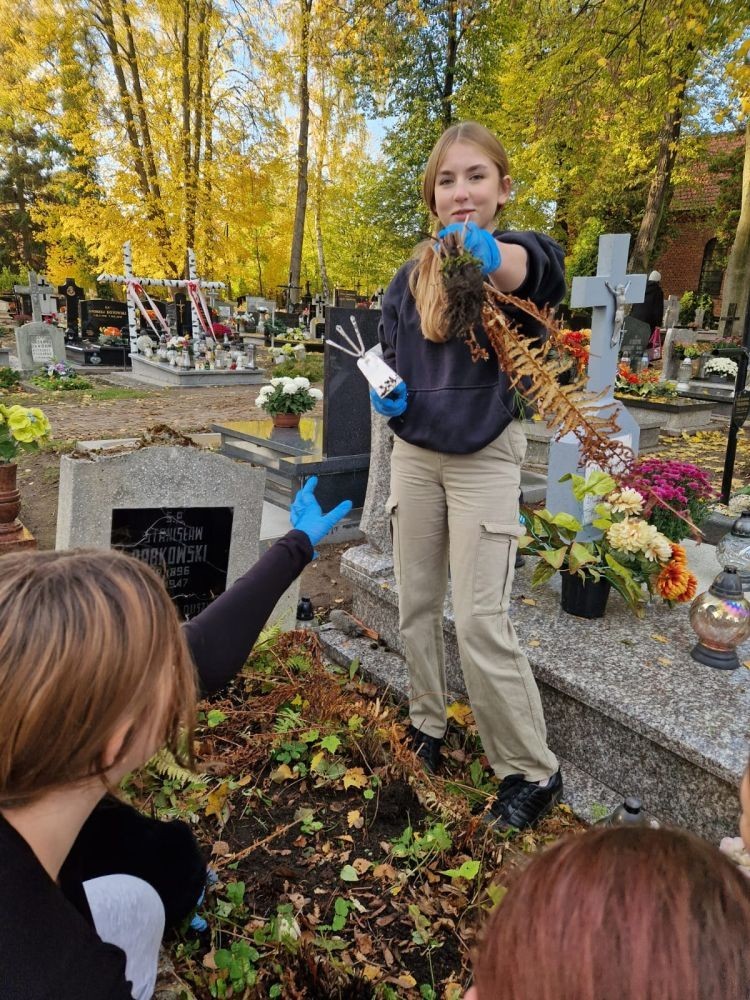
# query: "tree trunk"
[[298, 232], [446, 98], [259, 265], [187, 162], [154, 210], [321, 254], [737, 281], [657, 192], [191, 191]]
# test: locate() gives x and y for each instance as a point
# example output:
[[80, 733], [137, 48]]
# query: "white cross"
[[607, 293]]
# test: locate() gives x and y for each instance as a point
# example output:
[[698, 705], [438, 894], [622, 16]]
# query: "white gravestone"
[[608, 293], [39, 344]]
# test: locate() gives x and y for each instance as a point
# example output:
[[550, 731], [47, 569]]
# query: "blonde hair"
[[87, 641], [424, 281]]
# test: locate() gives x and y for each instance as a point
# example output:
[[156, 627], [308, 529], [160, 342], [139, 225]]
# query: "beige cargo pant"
[[462, 511]]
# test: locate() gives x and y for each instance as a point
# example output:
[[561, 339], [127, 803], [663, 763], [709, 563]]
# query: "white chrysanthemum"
[[316, 393], [290, 389], [654, 545], [302, 383], [627, 501], [280, 380], [625, 536]]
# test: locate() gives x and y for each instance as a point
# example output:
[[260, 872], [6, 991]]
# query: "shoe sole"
[[496, 825]]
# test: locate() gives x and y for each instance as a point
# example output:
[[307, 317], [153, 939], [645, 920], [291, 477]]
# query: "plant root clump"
[[464, 290]]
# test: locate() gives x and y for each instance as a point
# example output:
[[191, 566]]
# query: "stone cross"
[[728, 321], [34, 292], [607, 293]]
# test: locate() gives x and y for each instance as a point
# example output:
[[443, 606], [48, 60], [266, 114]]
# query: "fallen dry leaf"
[[660, 638], [355, 777], [355, 819]]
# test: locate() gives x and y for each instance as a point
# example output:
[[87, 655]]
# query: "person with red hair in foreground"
[[620, 914]]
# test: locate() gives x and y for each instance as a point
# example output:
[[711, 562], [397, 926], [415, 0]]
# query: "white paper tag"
[[381, 376]]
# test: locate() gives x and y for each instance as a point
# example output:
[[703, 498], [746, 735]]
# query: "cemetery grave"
[[344, 871]]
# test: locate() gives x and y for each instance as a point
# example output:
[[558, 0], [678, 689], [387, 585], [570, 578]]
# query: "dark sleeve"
[[392, 303], [221, 636], [544, 283]]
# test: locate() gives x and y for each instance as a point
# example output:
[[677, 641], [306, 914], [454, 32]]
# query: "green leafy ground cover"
[[344, 870]]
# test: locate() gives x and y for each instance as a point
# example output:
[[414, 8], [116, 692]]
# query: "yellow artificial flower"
[[626, 501], [655, 546], [20, 424], [625, 535]]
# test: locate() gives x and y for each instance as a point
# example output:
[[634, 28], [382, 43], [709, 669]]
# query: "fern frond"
[[165, 765]]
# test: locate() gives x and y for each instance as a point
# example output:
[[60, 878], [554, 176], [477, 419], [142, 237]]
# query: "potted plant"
[[21, 429], [720, 370], [685, 490], [285, 399], [627, 553]]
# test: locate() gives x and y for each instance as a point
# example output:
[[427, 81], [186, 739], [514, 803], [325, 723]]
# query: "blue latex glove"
[[479, 243], [306, 515], [394, 403]]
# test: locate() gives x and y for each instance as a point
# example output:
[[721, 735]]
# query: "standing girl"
[[455, 476]]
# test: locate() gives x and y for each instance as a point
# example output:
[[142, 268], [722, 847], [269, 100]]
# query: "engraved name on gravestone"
[[188, 546]]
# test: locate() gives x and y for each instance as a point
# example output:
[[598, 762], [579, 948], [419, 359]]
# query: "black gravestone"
[[144, 324], [741, 409], [188, 546], [180, 315], [73, 295], [635, 337], [97, 313], [346, 392]]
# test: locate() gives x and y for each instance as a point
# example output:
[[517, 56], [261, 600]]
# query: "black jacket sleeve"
[[221, 636]]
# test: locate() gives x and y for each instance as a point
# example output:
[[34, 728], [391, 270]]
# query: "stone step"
[[589, 799], [624, 702]]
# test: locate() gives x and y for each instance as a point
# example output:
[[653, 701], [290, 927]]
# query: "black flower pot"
[[584, 598]]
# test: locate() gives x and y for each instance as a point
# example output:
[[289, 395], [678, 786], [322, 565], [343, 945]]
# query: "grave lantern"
[[734, 549], [721, 619]]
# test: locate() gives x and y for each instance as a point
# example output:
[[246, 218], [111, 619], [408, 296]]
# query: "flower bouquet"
[[723, 368], [644, 384], [21, 429], [287, 397], [632, 555], [576, 344], [60, 377]]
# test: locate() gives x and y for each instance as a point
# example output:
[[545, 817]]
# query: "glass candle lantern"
[[721, 619], [734, 549]]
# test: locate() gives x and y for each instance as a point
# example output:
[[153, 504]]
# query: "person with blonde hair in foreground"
[[620, 914]]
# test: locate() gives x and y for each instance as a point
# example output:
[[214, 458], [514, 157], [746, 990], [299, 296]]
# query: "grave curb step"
[[586, 796], [644, 722]]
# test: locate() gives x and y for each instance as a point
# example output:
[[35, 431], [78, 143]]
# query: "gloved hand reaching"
[[479, 243], [306, 514], [394, 403]]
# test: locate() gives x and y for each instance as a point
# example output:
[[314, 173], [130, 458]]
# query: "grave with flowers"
[[335, 447], [628, 710]]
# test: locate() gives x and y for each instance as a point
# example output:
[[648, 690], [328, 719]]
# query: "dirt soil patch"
[[344, 870]]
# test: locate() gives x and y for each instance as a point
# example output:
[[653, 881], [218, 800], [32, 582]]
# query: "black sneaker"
[[427, 748], [520, 560], [520, 803]]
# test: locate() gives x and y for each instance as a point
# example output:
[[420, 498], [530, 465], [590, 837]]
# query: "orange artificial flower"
[[675, 582]]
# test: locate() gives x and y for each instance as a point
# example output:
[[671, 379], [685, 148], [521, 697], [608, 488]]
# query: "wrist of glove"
[[479, 243], [394, 404]]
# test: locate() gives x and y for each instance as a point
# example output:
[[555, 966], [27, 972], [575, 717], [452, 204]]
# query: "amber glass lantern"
[[721, 619]]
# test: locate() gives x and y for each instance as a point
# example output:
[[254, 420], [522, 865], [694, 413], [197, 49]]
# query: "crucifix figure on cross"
[[607, 293]]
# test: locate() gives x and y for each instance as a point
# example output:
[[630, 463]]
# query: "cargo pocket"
[[391, 510], [493, 568]]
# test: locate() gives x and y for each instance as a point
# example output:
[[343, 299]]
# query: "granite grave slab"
[[192, 514]]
